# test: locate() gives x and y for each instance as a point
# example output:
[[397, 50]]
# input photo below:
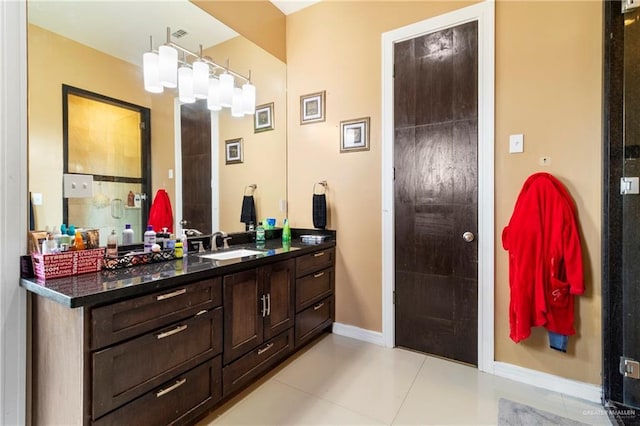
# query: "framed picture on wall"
[[263, 118], [354, 135], [233, 151], [312, 108]]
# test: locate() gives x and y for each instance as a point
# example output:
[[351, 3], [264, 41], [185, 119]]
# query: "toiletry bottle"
[[57, 236], [49, 245], [185, 243], [260, 239], [127, 235], [178, 252], [149, 238], [112, 245], [79, 242], [286, 231]]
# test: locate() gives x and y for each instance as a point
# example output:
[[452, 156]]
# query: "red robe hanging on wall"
[[545, 258]]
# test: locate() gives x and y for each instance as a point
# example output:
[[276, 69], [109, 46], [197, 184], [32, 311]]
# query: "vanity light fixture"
[[200, 79]]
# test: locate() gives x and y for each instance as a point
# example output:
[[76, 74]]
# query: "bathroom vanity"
[[166, 343]]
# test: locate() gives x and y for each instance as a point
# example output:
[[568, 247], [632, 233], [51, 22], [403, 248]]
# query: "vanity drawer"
[[313, 287], [177, 400], [119, 321], [314, 261], [264, 357], [314, 319], [128, 370]]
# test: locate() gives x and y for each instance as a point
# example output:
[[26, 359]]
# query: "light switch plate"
[[516, 143], [36, 198], [78, 186]]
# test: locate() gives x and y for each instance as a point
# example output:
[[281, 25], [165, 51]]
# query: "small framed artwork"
[[354, 135], [263, 118], [312, 108], [233, 151]]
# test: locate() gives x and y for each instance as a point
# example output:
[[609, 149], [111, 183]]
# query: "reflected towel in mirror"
[[161, 214], [248, 212]]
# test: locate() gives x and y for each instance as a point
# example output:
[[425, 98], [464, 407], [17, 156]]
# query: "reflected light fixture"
[[213, 97], [237, 107], [200, 79], [185, 84]]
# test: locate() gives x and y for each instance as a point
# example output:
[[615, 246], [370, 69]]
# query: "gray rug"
[[512, 413]]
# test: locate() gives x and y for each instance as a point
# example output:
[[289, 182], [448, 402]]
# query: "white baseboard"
[[570, 387], [358, 333]]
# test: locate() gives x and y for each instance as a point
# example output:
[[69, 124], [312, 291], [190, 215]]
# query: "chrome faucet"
[[214, 240]]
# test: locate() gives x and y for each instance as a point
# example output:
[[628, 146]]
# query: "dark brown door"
[[436, 121], [278, 287], [195, 124], [243, 320]]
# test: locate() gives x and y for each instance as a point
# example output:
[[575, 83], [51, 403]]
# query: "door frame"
[[484, 13], [215, 177]]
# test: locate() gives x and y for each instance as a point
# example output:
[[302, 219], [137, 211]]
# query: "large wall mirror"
[[98, 47]]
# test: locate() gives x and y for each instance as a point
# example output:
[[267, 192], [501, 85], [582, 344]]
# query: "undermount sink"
[[233, 254]]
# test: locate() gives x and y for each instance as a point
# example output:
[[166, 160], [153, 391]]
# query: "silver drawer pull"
[[174, 386], [172, 294], [318, 275], [178, 329], [318, 254], [266, 348], [318, 306]]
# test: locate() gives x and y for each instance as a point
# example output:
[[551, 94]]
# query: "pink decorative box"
[[47, 266]]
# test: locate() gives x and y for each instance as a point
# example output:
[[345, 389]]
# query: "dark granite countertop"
[[110, 286]]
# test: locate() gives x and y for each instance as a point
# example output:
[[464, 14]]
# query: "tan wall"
[[548, 86]]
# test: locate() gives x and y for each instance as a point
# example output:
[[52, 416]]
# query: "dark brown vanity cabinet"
[[315, 285], [169, 356], [151, 359], [258, 318]]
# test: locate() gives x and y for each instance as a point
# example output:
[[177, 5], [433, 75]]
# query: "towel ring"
[[251, 188], [324, 187]]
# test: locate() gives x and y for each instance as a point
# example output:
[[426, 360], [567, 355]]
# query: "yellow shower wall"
[[103, 139]]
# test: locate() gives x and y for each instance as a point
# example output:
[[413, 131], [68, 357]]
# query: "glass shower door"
[[630, 362]]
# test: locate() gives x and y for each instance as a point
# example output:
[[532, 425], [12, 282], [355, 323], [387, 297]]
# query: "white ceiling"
[[290, 6], [124, 31]]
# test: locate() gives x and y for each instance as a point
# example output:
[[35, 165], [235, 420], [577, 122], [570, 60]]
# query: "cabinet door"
[[278, 287], [243, 321]]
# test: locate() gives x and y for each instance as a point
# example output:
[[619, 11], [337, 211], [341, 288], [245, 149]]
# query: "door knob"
[[468, 236]]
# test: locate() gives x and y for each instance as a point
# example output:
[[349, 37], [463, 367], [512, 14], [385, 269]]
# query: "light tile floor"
[[342, 381]]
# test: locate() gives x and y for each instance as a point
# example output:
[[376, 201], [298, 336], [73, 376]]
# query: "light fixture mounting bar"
[[205, 59]]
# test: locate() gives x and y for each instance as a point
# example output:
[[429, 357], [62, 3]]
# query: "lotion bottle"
[[149, 238], [112, 245], [127, 235]]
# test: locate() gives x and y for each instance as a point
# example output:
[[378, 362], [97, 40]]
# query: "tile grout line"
[[327, 400], [413, 382]]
